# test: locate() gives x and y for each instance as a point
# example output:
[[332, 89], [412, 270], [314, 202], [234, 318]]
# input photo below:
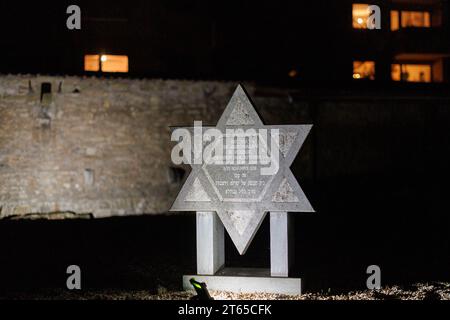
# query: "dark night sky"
[[172, 38], [235, 40]]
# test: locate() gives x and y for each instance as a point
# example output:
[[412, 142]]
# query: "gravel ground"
[[424, 291]]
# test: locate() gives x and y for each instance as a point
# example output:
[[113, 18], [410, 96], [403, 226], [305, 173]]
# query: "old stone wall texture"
[[96, 146], [101, 146]]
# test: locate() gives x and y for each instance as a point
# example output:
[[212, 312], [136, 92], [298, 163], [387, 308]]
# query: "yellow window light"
[[105, 63], [364, 70], [91, 62]]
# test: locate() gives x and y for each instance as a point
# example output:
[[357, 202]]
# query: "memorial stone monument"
[[236, 189]]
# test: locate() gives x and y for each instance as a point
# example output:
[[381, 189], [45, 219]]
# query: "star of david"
[[240, 195]]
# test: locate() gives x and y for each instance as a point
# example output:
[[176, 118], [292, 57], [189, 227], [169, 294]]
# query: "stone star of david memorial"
[[240, 172]]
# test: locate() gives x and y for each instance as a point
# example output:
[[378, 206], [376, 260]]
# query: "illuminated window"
[[411, 72], [106, 63], [91, 62], [396, 72], [364, 70], [394, 20], [410, 19], [415, 19], [111, 63], [360, 14]]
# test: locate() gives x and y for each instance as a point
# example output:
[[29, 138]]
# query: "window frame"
[[400, 17], [420, 63], [100, 63], [362, 61], [353, 20]]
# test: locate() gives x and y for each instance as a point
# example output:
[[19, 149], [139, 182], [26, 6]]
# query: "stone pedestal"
[[281, 234], [210, 243], [247, 280], [211, 259]]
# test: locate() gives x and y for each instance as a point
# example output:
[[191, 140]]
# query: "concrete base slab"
[[248, 280]]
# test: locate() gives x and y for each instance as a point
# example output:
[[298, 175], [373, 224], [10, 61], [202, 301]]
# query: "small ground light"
[[356, 76], [360, 20], [201, 290], [103, 58]]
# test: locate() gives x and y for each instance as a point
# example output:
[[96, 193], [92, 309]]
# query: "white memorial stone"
[[243, 190]]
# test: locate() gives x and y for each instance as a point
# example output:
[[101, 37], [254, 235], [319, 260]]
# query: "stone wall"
[[96, 146], [101, 147]]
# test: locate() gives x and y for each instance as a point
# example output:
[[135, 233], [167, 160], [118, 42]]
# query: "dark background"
[[236, 40], [261, 40], [395, 216]]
